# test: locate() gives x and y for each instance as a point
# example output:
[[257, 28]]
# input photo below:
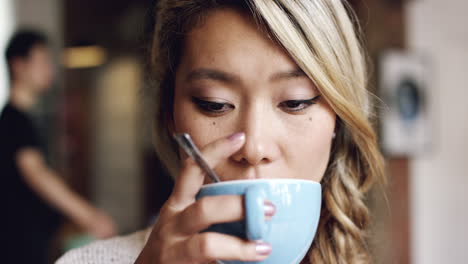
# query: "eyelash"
[[216, 108], [212, 107], [300, 104]]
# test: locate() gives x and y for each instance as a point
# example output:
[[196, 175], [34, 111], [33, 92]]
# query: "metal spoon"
[[185, 142]]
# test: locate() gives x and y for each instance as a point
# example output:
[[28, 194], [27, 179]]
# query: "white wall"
[[439, 179], [7, 23], [43, 14]]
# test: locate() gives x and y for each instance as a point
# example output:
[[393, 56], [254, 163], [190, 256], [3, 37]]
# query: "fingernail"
[[269, 208], [239, 136], [263, 248]]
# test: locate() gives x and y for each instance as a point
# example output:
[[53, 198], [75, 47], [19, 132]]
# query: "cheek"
[[41, 74], [310, 156], [188, 119]]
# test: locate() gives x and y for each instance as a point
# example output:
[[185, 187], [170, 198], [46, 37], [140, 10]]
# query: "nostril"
[[244, 161], [239, 160], [254, 162], [252, 157]]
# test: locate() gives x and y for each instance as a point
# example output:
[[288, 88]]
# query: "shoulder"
[[118, 250], [11, 112], [13, 119]]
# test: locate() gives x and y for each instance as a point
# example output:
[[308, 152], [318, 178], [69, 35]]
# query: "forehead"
[[231, 39]]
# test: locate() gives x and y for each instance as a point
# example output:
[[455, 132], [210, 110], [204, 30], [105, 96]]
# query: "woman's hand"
[[176, 237]]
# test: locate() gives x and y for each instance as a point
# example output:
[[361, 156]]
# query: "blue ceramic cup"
[[290, 231]]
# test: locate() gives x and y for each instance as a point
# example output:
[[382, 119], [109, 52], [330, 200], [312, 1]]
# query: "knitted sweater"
[[118, 250]]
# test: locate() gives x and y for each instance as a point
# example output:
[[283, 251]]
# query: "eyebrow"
[[222, 76], [291, 74], [212, 74]]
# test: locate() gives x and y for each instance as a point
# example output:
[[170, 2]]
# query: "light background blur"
[[99, 138]]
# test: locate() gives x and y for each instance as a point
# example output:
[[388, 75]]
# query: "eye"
[[298, 105], [212, 107]]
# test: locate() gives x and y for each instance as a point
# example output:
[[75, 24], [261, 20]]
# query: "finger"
[[209, 246], [218, 209], [191, 177], [210, 210]]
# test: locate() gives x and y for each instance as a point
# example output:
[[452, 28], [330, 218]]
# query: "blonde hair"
[[319, 35]]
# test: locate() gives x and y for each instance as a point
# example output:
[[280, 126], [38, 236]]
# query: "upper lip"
[[250, 173]]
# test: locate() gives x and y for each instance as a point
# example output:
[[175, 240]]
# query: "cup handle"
[[254, 200]]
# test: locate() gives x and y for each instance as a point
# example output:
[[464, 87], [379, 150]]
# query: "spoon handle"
[[185, 142]]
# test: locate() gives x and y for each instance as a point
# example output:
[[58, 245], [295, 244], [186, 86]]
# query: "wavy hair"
[[321, 38]]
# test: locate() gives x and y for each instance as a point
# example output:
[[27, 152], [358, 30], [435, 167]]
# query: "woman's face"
[[233, 78]]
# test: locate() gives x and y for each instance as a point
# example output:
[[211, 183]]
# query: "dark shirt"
[[28, 222]]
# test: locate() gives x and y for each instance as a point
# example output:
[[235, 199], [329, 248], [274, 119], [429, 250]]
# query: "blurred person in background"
[[34, 196]]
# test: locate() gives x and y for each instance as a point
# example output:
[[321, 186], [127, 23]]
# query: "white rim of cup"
[[258, 180]]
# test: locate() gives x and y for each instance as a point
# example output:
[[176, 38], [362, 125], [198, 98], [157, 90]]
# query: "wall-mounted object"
[[404, 88]]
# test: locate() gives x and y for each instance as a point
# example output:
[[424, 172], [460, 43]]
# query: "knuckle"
[[206, 246], [163, 231], [203, 208]]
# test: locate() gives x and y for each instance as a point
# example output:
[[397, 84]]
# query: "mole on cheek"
[[214, 123], [310, 118]]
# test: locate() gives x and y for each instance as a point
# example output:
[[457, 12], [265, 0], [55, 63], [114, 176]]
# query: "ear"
[[17, 66], [337, 126]]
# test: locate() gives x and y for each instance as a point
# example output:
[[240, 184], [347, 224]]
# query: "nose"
[[260, 138]]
